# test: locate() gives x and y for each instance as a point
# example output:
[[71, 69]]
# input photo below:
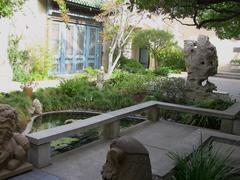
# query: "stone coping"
[[49, 135]]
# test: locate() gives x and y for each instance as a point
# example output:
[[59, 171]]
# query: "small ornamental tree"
[[153, 40], [119, 21]]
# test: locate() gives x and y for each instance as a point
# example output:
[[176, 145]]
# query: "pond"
[[54, 119]]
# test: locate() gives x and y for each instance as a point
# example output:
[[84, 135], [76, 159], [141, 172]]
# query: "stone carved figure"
[[100, 78], [127, 159], [201, 62], [37, 106], [13, 146]]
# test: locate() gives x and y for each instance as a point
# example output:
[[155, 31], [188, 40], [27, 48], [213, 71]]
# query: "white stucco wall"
[[30, 23]]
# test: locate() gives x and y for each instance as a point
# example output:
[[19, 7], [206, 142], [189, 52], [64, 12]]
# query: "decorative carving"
[[100, 78], [127, 159], [37, 106], [13, 146], [201, 62]]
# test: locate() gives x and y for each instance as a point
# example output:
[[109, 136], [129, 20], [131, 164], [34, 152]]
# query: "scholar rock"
[[201, 62], [127, 159]]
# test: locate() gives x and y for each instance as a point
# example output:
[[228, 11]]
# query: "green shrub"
[[76, 86], [131, 65], [22, 103], [204, 164], [172, 90], [40, 62], [162, 71], [33, 63], [235, 61], [128, 83], [206, 121], [173, 58], [90, 71], [18, 60]]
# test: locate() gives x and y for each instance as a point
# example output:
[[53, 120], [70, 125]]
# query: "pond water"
[[51, 120]]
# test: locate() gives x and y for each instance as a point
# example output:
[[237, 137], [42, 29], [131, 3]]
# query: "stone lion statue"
[[13, 146], [201, 62], [127, 159]]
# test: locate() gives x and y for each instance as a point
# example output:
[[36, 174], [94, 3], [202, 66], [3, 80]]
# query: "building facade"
[[75, 45]]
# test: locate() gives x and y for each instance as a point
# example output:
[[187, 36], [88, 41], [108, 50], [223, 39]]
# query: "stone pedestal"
[[111, 130], [40, 155], [153, 114], [5, 174]]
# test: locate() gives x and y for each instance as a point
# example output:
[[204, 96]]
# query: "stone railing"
[[40, 152]]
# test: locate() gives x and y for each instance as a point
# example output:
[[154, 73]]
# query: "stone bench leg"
[[231, 126], [153, 114], [227, 126], [236, 126], [40, 155], [111, 130]]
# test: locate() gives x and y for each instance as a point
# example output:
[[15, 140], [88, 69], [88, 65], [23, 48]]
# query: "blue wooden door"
[[77, 47]]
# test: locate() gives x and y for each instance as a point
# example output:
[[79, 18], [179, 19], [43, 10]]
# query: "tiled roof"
[[89, 3]]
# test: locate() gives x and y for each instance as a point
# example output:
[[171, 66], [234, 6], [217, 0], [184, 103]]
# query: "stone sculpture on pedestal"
[[100, 78], [201, 62], [13, 146], [127, 159]]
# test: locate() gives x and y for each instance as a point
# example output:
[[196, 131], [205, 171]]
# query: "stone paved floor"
[[85, 163]]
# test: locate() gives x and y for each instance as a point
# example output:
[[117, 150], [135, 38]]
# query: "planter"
[[28, 91]]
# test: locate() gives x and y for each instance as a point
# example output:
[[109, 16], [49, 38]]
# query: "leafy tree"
[[153, 40], [7, 7], [119, 23], [222, 16]]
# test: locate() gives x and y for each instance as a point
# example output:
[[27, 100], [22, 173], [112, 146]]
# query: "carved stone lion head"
[[8, 118]]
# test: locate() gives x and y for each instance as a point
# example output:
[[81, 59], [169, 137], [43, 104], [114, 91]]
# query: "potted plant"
[[28, 88]]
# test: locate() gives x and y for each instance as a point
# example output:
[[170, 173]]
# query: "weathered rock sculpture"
[[13, 146], [201, 62], [127, 159]]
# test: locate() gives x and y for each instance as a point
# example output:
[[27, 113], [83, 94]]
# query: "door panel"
[[55, 40], [80, 48], [93, 50], [68, 63], [77, 47]]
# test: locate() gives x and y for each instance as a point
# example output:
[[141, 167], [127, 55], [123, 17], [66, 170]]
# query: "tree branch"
[[222, 19], [208, 2]]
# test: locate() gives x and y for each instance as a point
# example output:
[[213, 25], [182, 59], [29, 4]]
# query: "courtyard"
[[119, 90]]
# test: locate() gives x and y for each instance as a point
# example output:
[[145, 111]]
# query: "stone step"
[[228, 75]]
